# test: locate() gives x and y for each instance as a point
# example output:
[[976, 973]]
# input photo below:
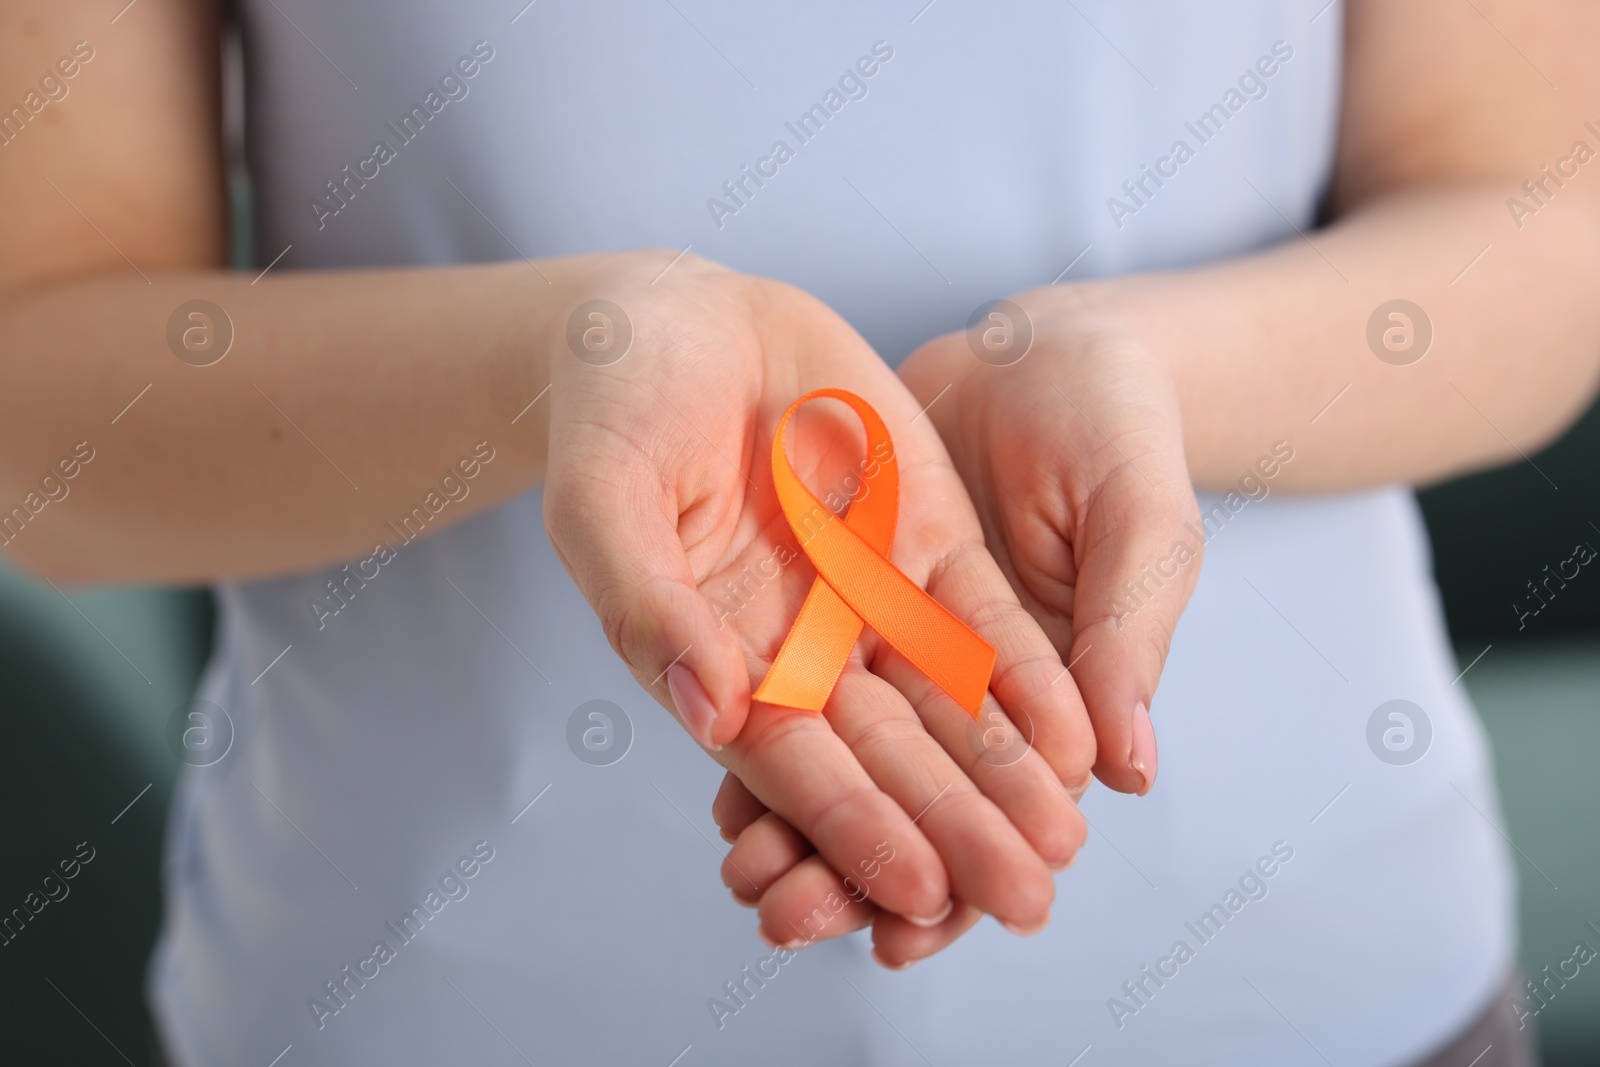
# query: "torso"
[[421, 719]]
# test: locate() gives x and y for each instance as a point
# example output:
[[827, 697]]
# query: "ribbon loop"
[[856, 585]]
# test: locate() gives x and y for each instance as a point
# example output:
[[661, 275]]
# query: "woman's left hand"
[[1073, 455], [1068, 435]]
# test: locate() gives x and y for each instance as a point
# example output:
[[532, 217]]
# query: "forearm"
[[1260, 345], [345, 400]]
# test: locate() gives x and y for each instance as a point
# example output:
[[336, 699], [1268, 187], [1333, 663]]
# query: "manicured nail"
[[694, 707], [1025, 931], [917, 920], [1143, 756], [885, 963]]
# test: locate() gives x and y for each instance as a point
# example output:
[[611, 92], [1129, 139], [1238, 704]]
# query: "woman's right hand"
[[659, 500]]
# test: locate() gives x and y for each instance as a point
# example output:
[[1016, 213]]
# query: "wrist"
[[545, 297], [525, 305], [1083, 309]]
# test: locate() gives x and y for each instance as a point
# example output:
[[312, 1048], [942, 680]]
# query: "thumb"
[[1132, 586], [617, 536]]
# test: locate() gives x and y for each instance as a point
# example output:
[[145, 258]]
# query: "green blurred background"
[[90, 679]]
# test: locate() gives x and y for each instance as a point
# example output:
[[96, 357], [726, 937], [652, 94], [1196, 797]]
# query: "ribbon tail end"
[[788, 696], [970, 691]]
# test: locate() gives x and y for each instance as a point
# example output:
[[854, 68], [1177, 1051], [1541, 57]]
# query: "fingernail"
[[1025, 931], [1143, 756], [791, 945], [694, 707], [743, 903], [729, 838], [917, 920], [885, 963], [1081, 787], [1070, 861]]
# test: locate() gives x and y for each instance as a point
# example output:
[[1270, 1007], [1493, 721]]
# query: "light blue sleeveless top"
[[403, 860]]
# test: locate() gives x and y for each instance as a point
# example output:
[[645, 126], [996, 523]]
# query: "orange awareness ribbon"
[[856, 585]]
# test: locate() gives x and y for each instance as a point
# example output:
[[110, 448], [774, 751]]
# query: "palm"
[[1074, 457], [664, 459]]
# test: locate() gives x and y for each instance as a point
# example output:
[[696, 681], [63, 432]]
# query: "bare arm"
[[113, 217], [1443, 120]]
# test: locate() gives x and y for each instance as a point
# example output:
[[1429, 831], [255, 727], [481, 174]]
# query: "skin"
[[347, 393], [1442, 121], [653, 523], [393, 372]]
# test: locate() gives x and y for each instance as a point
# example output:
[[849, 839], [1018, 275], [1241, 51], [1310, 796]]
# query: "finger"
[[615, 529], [813, 903], [804, 771], [735, 808], [991, 864], [897, 944], [1012, 776], [1030, 682], [767, 850], [1139, 565], [1033, 726]]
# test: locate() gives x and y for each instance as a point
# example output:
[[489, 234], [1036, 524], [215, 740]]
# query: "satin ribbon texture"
[[856, 585]]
